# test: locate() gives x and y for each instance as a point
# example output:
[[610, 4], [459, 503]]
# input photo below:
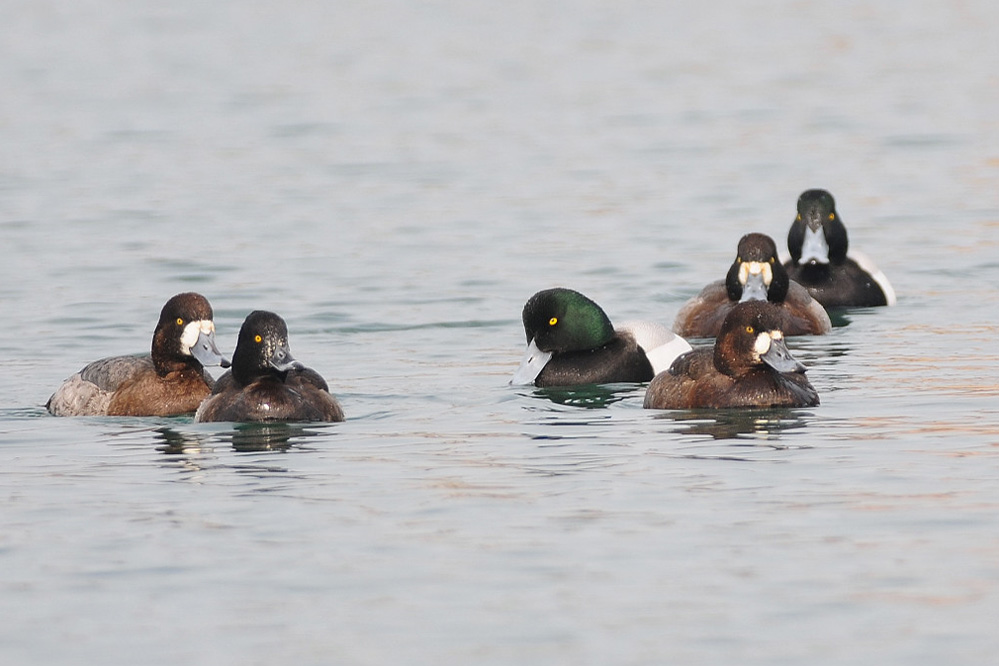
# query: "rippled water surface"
[[396, 179]]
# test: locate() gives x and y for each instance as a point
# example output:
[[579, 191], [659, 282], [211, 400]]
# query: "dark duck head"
[[262, 349]]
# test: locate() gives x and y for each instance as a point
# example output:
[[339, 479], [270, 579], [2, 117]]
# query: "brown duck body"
[[702, 315], [756, 274], [147, 393], [694, 382], [749, 366], [166, 382]]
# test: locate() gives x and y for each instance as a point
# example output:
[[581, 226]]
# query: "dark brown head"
[[817, 236], [751, 339], [756, 274], [185, 335], [262, 349]]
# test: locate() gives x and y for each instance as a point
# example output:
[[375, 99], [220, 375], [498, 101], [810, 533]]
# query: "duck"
[[169, 381], [571, 341], [748, 366], [756, 274], [819, 260], [266, 383]]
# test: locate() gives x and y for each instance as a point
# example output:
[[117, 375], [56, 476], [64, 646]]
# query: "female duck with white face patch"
[[756, 274], [818, 245], [171, 380], [571, 341], [749, 366]]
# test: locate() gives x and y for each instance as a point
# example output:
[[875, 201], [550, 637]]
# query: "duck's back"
[[673, 388], [803, 314], [661, 345], [843, 285], [89, 392], [129, 386], [702, 315]]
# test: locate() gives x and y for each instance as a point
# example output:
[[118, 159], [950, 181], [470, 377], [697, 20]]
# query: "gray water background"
[[396, 179]]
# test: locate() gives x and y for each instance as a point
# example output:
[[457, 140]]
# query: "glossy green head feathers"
[[561, 320]]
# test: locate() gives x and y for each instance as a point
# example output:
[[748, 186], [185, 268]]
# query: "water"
[[396, 179]]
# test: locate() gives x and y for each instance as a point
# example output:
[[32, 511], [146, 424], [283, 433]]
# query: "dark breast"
[[271, 400], [145, 393], [621, 360], [761, 388]]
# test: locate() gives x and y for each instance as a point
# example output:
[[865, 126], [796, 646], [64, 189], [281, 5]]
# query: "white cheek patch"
[[760, 268], [762, 344], [763, 270], [191, 333]]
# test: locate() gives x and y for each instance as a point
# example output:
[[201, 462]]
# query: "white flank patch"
[[661, 345]]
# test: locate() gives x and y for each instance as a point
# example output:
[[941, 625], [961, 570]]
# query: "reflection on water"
[[244, 437], [767, 424], [266, 436], [175, 442], [839, 317], [590, 396]]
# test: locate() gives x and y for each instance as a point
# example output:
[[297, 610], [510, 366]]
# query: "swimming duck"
[[818, 245], [756, 274], [168, 381], [572, 341], [266, 383], [749, 366]]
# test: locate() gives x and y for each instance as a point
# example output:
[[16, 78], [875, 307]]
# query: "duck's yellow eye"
[[738, 260], [750, 330], [798, 217], [257, 338], [772, 259], [832, 216], [180, 322], [553, 321]]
